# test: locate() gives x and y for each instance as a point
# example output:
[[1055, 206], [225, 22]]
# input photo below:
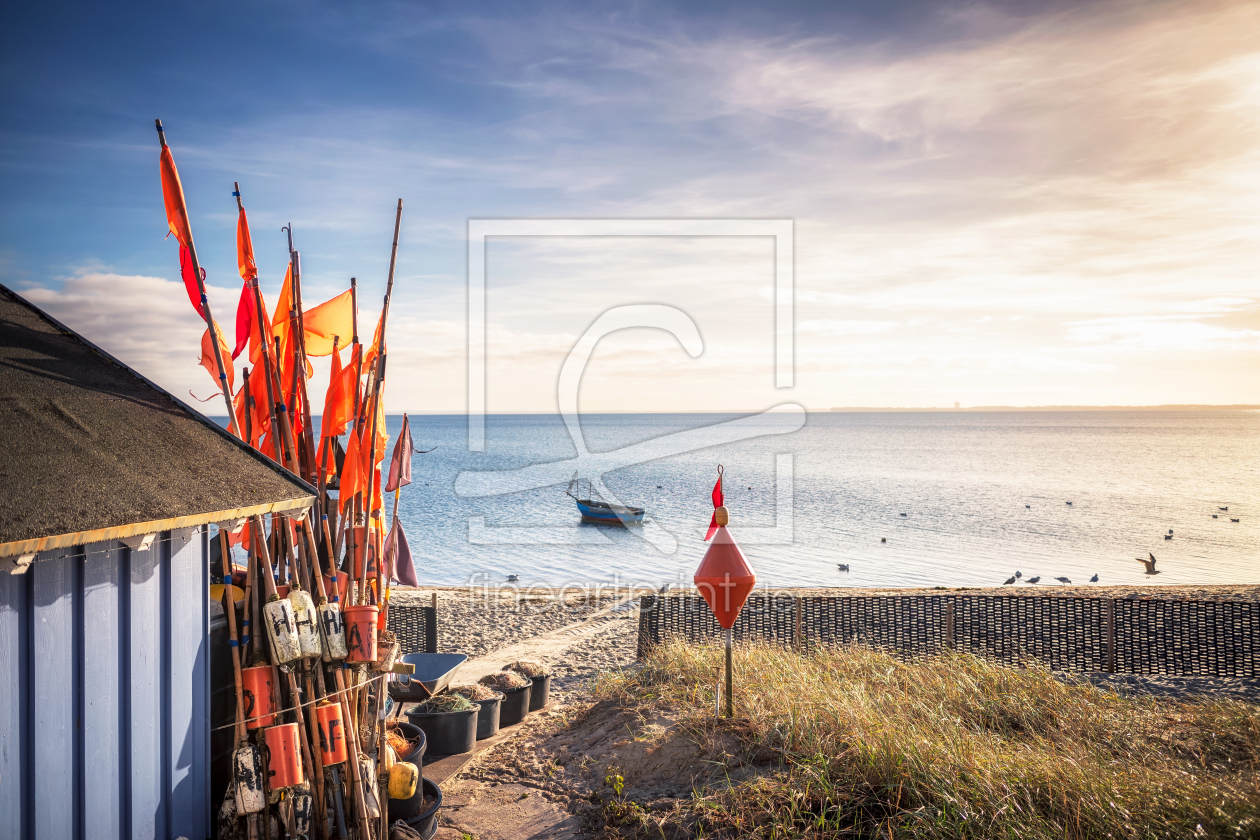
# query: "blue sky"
[[1005, 203]]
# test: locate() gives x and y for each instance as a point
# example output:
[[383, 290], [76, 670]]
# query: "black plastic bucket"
[[416, 756], [488, 718], [427, 822], [448, 733], [515, 705], [539, 694]]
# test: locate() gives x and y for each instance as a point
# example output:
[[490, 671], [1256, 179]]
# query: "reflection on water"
[[984, 495]]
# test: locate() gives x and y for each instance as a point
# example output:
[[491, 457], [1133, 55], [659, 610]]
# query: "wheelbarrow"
[[433, 673]]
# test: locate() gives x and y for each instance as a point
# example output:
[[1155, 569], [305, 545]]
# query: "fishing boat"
[[595, 509]]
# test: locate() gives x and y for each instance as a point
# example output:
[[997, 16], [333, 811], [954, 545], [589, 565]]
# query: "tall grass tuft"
[[870, 745]]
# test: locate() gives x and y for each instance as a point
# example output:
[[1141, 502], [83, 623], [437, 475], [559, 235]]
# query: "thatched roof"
[[92, 450]]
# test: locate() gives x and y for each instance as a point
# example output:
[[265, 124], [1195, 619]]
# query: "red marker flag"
[[718, 501], [400, 462], [245, 325]]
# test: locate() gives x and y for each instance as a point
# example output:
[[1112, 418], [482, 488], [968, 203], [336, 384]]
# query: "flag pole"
[[380, 378], [205, 307], [281, 444], [307, 433]]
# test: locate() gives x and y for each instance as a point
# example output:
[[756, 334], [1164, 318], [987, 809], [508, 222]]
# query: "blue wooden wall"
[[104, 716]]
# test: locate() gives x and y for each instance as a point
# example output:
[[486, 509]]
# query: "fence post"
[[1111, 637], [949, 625], [647, 606], [797, 641]]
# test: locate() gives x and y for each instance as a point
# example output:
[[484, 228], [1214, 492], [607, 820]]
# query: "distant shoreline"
[[222, 419]]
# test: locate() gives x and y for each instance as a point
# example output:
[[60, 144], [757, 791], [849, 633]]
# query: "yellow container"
[[403, 778]]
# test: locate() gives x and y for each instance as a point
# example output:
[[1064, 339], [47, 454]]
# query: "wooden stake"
[[229, 607], [205, 307], [730, 688]]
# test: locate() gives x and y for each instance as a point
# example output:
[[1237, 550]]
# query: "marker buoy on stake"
[[724, 579], [259, 708], [284, 763]]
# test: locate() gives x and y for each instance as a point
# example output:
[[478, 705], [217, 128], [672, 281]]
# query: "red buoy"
[[284, 762], [724, 578], [332, 738], [256, 692]]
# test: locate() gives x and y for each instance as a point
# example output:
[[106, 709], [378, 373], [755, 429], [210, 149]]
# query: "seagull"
[[1214, 516], [660, 487], [1222, 508], [513, 578], [1009, 581], [1149, 564], [1019, 574], [1170, 530], [1063, 580], [1094, 579], [1168, 536], [1028, 506], [1034, 579], [1069, 503], [905, 514], [844, 567], [883, 539], [1232, 519]]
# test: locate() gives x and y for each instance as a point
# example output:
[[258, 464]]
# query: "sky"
[[1004, 203]]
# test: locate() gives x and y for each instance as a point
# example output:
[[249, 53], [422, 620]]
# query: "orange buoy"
[[332, 737], [284, 759], [256, 691], [361, 632]]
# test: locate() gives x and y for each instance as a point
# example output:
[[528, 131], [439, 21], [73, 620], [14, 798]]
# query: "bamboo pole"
[[205, 308], [249, 409], [229, 607], [357, 357], [308, 432]]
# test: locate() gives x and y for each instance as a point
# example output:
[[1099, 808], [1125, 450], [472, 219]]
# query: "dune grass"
[[860, 743]]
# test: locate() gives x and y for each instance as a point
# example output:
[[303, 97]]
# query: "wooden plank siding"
[[104, 724]]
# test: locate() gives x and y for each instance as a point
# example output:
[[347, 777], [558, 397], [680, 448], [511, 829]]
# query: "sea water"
[[983, 494]]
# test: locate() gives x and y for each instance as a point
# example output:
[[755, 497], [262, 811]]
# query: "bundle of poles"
[[311, 756]]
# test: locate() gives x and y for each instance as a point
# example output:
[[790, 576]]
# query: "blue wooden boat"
[[595, 509]]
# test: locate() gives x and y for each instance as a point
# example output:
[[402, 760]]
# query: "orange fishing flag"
[[246, 327], [369, 356], [207, 356], [177, 223], [324, 323], [351, 471], [339, 401]]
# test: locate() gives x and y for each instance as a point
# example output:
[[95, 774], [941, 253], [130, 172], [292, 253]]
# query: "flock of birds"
[[1148, 561]]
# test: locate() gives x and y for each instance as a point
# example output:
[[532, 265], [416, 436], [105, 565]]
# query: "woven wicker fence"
[[415, 627], [1173, 638]]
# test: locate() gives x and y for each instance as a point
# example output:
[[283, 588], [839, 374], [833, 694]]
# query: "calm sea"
[[983, 495]]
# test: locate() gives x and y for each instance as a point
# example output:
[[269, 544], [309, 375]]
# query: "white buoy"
[[333, 630], [304, 618], [248, 778]]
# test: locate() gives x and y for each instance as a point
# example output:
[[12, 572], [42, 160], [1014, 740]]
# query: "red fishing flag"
[[400, 461], [177, 223], [718, 501], [246, 327], [369, 357]]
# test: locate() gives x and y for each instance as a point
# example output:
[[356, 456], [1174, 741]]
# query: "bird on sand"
[[1028, 506], [1168, 536], [1069, 503], [1094, 579], [1232, 519], [1009, 581], [513, 578], [1036, 579], [1149, 564], [1063, 580], [1019, 574], [1214, 516], [1222, 508], [844, 567]]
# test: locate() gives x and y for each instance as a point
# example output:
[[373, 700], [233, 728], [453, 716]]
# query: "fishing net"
[[531, 669], [476, 693], [445, 703], [504, 680]]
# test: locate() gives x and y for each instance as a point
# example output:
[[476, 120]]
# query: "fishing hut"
[[109, 487]]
